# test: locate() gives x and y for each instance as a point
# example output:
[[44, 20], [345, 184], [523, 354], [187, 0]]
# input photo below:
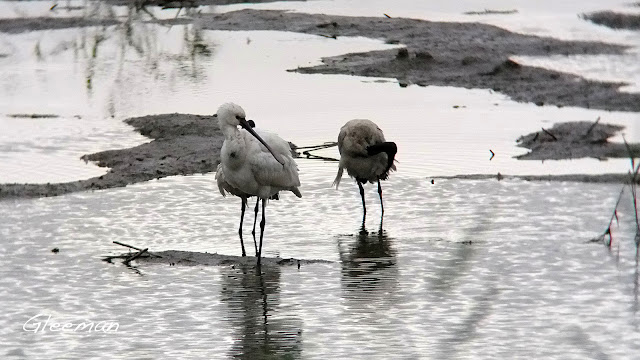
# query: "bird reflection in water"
[[369, 264], [260, 331]]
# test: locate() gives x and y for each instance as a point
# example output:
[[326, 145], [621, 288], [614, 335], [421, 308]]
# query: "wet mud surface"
[[182, 145], [574, 140], [615, 20], [19, 25], [583, 178], [193, 258], [166, 4], [468, 55]]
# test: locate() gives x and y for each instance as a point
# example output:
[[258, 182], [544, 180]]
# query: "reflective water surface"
[[459, 269]]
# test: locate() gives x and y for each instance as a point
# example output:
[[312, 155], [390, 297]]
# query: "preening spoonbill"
[[366, 155], [255, 164]]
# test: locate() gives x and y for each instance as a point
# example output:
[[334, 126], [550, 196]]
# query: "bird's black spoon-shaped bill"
[[245, 125]]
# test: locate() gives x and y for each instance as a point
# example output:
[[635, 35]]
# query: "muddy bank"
[[190, 258], [182, 145], [614, 20], [468, 55], [14, 26], [583, 178], [574, 140], [167, 4]]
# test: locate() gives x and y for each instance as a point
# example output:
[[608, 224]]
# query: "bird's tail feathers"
[[336, 182]]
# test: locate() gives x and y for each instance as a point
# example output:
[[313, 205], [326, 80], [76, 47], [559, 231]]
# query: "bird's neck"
[[230, 132]]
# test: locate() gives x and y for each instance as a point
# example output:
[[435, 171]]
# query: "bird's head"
[[232, 115]]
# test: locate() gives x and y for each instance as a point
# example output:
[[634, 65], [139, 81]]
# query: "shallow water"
[[461, 269]]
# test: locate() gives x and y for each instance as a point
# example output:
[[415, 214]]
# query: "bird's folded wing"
[[267, 171]]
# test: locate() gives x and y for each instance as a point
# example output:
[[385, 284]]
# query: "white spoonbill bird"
[[255, 164], [225, 188], [366, 155]]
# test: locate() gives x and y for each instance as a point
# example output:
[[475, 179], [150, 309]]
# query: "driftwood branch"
[[308, 154], [135, 248], [135, 256]]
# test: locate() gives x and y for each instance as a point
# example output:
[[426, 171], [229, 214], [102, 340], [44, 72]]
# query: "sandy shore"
[[468, 55]]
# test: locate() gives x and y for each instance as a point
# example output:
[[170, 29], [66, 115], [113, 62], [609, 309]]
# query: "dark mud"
[[614, 20], [182, 145], [583, 178], [574, 140], [19, 25], [468, 55], [167, 4], [190, 258]]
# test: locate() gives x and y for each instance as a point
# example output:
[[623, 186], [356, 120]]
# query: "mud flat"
[[574, 140], [19, 25], [191, 258], [615, 20], [569, 140], [468, 55], [182, 145], [583, 178], [166, 4]]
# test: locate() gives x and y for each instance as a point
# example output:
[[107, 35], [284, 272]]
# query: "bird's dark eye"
[[238, 117]]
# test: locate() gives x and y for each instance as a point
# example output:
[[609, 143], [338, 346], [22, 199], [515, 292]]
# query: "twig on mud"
[[134, 248], [137, 255], [550, 134], [317, 147], [592, 127], [308, 154]]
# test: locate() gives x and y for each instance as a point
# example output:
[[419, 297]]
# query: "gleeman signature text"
[[43, 323]]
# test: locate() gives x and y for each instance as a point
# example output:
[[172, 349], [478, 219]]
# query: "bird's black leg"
[[364, 207], [244, 204], [262, 223], [255, 219], [380, 193]]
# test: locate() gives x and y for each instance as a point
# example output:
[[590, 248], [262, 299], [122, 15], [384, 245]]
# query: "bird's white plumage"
[[252, 163], [248, 165], [225, 187], [354, 139]]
